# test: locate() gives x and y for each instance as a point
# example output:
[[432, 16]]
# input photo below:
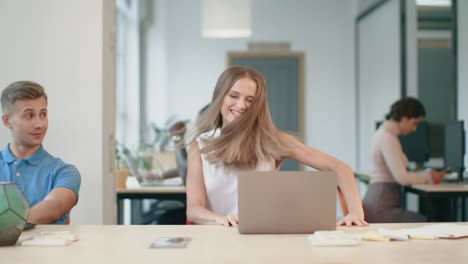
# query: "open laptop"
[[133, 168], [286, 202]]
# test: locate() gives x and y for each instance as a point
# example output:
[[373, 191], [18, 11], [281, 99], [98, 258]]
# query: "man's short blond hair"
[[22, 90]]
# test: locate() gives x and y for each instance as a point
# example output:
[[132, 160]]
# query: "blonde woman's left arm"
[[324, 162]]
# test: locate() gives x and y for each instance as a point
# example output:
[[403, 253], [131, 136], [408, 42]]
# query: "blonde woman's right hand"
[[228, 220]]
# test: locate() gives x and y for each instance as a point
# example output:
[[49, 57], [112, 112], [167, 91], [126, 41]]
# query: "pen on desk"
[[422, 237], [374, 236]]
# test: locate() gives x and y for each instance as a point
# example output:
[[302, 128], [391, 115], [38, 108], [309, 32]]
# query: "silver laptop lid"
[[286, 202], [133, 168]]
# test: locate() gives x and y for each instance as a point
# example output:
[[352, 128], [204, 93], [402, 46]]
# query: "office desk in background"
[[137, 193], [455, 193], [218, 244], [428, 195]]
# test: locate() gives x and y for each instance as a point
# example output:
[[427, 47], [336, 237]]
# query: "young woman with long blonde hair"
[[235, 134]]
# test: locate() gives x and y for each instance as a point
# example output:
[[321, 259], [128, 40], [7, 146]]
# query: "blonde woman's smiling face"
[[238, 99]]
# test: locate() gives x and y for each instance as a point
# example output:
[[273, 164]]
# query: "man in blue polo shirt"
[[50, 185]]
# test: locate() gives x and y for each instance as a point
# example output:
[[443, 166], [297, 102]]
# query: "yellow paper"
[[374, 236]]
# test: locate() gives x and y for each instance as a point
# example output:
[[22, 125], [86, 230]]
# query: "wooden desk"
[[137, 193], [218, 244], [454, 191]]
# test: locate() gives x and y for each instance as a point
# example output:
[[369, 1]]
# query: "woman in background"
[[389, 173], [241, 136]]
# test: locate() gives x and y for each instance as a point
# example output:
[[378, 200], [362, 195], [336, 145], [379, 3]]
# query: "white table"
[[219, 244], [455, 192], [137, 193]]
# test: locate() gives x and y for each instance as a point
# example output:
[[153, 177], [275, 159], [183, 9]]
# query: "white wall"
[[411, 49], [59, 44], [462, 52], [188, 66], [379, 63]]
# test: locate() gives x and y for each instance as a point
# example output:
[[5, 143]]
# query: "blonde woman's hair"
[[250, 137]]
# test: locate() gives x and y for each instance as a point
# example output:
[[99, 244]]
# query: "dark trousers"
[[382, 204]]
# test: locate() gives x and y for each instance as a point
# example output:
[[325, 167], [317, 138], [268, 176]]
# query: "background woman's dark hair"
[[406, 107]]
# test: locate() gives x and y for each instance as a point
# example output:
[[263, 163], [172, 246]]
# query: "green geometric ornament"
[[14, 210]]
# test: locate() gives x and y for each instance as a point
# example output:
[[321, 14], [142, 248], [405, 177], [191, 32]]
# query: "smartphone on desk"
[[170, 242]]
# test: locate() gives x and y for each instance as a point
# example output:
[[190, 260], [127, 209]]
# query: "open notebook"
[[434, 231]]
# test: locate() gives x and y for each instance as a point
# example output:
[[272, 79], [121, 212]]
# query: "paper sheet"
[[50, 239], [332, 238], [430, 231], [434, 231]]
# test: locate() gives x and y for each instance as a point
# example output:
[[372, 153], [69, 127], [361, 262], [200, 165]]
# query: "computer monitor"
[[436, 140], [416, 144], [454, 147]]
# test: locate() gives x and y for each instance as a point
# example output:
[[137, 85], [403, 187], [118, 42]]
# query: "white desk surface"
[[443, 187], [218, 244], [134, 187], [153, 189]]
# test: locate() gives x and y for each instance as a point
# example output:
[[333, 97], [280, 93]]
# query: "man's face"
[[27, 120]]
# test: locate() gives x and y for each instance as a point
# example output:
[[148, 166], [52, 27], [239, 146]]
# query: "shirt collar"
[[34, 159], [7, 156]]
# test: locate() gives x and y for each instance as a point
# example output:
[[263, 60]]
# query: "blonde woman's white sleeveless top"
[[221, 181]]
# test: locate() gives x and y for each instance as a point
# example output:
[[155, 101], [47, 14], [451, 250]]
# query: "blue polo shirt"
[[39, 174]]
